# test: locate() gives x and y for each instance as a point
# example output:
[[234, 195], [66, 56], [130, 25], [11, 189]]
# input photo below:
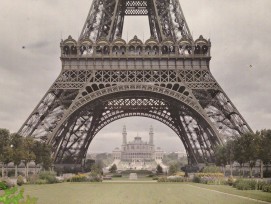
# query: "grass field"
[[135, 193]]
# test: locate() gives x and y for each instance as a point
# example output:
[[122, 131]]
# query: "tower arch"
[[82, 123]]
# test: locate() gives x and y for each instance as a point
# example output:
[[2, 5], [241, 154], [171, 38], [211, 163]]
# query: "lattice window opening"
[[136, 4], [222, 124], [201, 50], [194, 130], [207, 76], [131, 114], [225, 102], [136, 11], [103, 50], [86, 50], [141, 76], [198, 76], [185, 49], [168, 49]]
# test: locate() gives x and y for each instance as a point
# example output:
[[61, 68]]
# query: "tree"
[[159, 169], [38, 151], [46, 156], [264, 153], [173, 168], [17, 143], [239, 152], [7, 155], [230, 153], [113, 168], [42, 153], [251, 142], [221, 156], [28, 155], [4, 142]]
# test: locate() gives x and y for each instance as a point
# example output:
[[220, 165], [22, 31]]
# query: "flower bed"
[[209, 178]]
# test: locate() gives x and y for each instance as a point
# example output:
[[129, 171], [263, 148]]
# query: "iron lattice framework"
[[104, 78]]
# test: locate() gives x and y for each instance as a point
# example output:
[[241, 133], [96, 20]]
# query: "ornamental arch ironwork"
[[85, 121]]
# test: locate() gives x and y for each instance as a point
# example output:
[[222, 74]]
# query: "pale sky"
[[240, 32]]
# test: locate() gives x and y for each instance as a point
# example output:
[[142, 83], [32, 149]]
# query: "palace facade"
[[137, 150]]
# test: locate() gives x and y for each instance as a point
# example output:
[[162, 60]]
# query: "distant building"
[[181, 154], [137, 154]]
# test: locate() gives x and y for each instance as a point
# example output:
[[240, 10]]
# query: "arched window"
[[83, 50], [123, 50], [155, 50], [204, 49], [185, 49], [165, 49], [66, 50], [115, 50], [147, 50], [131, 50], [139, 50], [171, 49], [106, 50], [197, 50], [98, 49], [73, 50]]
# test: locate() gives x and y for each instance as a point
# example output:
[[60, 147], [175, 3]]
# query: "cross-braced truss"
[[104, 78], [106, 19]]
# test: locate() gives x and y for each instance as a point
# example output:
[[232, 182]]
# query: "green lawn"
[[134, 193], [258, 195]]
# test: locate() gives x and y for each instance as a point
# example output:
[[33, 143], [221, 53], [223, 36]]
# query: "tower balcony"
[[135, 48]]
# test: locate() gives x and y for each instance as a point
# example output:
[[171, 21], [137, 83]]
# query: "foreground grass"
[[128, 193], [258, 195]]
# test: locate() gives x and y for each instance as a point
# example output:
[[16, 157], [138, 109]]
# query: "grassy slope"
[[258, 195], [128, 193]]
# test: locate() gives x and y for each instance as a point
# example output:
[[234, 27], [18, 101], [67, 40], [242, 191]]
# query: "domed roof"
[[135, 41], [119, 42]]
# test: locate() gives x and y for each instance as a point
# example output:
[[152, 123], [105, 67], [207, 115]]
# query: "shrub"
[[196, 179], [95, 179], [179, 173], [209, 178], [41, 181], [15, 195], [78, 178], [139, 172], [113, 168], [32, 179], [266, 188], [176, 179], [246, 184], [3, 185], [172, 179], [215, 175], [155, 178], [20, 181], [8, 182], [116, 175], [261, 184], [50, 177], [162, 179], [211, 169], [231, 181]]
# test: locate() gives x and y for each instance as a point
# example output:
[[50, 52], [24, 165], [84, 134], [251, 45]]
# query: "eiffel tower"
[[104, 78]]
